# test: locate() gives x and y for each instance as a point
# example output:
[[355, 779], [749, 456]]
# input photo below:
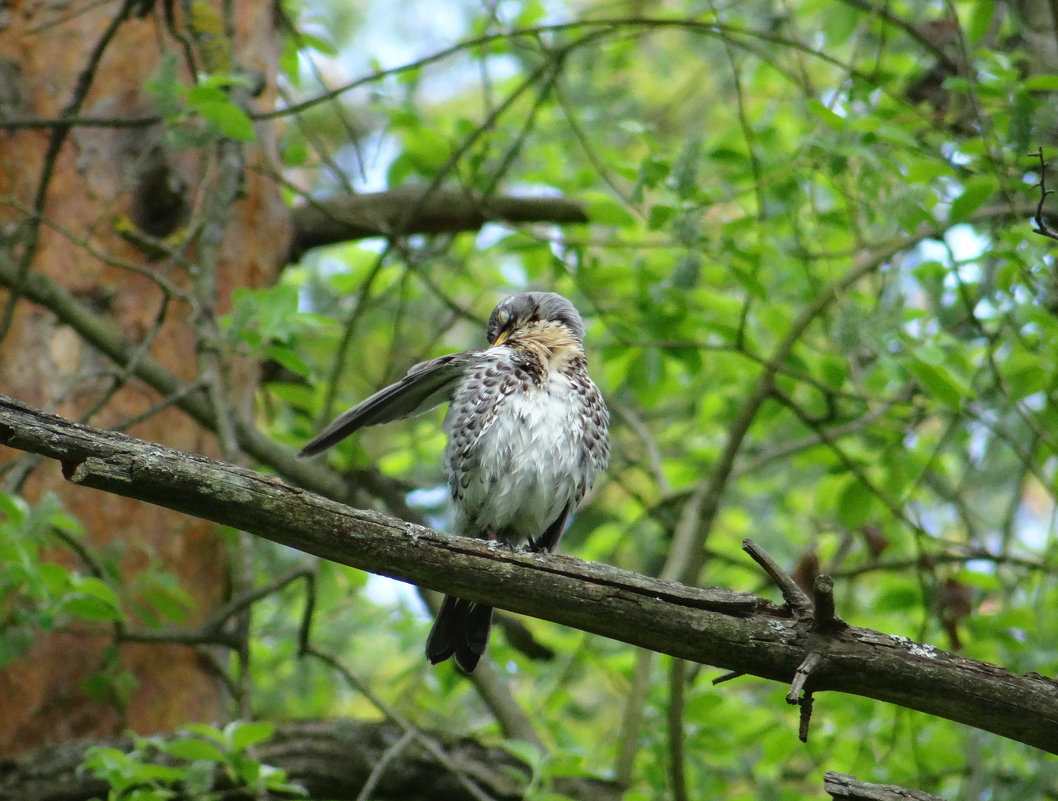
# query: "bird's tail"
[[460, 630]]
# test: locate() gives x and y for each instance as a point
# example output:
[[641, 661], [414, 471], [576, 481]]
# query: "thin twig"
[[801, 675], [729, 676], [677, 758], [1041, 226], [794, 596], [632, 718], [431, 745], [806, 717], [379, 769]]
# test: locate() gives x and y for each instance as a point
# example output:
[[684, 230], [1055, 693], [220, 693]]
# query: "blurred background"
[[823, 316]]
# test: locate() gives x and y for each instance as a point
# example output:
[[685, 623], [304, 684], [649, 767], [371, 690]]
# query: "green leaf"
[[164, 86], [531, 13], [56, 578], [278, 781], [294, 151], [834, 370], [956, 83], [427, 149], [685, 169], [899, 597], [205, 93], [687, 271], [980, 20], [856, 504], [248, 770], [1022, 373], [840, 22], [231, 120], [242, 734], [938, 382], [197, 780], [660, 215], [288, 358], [13, 509], [604, 209], [103, 758], [1042, 83], [529, 753], [92, 599], [98, 687], [318, 43], [221, 82], [192, 749], [923, 170], [88, 607], [170, 601], [749, 282], [835, 121], [976, 192], [911, 216], [98, 589], [207, 731]]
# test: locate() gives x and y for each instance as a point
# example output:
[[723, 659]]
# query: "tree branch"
[[406, 211], [849, 788], [732, 630]]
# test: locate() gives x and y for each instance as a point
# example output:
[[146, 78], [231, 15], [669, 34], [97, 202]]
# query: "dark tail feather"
[[441, 643], [461, 630]]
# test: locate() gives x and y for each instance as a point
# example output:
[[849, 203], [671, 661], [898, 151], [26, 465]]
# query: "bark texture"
[[842, 787], [70, 196]]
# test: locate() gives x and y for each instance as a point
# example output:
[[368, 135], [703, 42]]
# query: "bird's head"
[[529, 313]]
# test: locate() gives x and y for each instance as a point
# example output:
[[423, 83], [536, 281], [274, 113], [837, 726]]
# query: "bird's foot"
[[535, 546]]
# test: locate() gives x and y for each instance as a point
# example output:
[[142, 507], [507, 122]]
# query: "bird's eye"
[[503, 316]]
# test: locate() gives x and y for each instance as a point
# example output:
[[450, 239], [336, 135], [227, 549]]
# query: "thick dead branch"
[[825, 624], [329, 758], [409, 211], [734, 631]]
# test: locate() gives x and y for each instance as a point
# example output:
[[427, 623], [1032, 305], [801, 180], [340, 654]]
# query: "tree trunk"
[[74, 201]]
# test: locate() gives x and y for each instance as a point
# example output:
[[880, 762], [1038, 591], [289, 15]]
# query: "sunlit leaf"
[[976, 193]]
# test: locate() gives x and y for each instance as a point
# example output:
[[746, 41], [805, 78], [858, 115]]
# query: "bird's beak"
[[501, 338]]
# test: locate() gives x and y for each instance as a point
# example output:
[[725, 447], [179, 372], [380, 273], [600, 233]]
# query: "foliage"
[[189, 766], [197, 115], [814, 301], [797, 265], [41, 591]]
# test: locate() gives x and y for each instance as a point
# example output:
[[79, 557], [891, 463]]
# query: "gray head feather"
[[519, 310]]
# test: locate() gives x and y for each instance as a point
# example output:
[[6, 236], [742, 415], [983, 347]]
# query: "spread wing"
[[426, 385]]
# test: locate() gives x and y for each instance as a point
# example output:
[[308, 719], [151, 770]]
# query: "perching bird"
[[527, 434]]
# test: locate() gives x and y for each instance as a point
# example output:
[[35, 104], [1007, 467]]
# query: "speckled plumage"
[[527, 434]]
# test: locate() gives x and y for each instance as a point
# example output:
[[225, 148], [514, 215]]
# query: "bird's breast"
[[517, 453]]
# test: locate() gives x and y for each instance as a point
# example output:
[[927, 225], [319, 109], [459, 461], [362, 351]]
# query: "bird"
[[528, 432]]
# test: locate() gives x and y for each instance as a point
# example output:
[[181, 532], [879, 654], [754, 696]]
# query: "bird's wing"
[[426, 385]]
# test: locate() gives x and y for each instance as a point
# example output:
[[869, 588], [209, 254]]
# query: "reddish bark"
[[102, 174]]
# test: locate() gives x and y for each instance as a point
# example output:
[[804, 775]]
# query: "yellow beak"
[[501, 338]]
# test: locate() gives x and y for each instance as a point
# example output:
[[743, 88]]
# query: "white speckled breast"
[[525, 441]]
